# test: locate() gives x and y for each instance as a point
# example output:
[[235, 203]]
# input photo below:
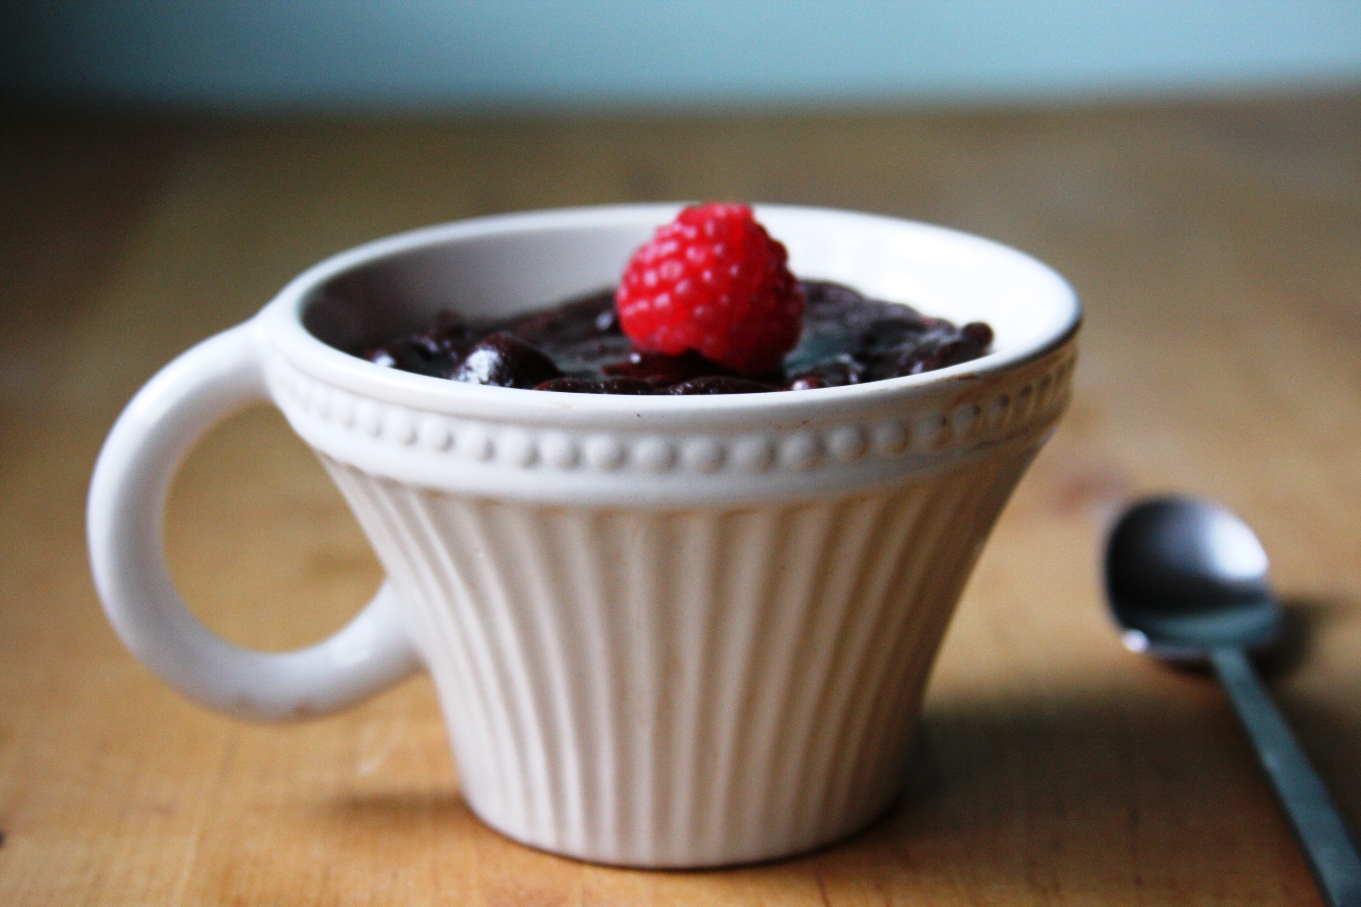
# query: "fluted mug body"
[[664, 631]]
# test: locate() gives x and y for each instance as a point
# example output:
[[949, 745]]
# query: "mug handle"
[[131, 480]]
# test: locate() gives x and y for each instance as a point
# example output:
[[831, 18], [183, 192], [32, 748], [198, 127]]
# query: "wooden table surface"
[[1217, 248]]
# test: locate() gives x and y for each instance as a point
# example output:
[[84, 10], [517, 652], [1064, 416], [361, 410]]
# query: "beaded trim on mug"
[[1001, 410]]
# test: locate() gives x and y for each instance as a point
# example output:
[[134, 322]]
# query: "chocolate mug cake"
[[583, 345]]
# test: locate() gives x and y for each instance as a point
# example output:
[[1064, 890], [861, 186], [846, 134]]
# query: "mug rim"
[[281, 321]]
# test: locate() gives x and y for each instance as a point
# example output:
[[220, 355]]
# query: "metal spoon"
[[1187, 580]]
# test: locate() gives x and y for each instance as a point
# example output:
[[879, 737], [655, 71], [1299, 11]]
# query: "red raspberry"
[[713, 281]]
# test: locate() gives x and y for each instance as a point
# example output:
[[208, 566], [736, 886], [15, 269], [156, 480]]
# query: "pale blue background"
[[506, 54]]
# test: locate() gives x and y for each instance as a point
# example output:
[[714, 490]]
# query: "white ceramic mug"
[[664, 631]]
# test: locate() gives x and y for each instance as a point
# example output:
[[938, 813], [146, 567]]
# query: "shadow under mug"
[[664, 631]]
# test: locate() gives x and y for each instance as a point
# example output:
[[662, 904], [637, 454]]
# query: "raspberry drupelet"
[[713, 281]]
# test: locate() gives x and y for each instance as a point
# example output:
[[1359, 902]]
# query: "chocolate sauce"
[[577, 347]]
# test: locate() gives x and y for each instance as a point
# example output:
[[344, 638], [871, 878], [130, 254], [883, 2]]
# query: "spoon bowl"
[[1184, 576]]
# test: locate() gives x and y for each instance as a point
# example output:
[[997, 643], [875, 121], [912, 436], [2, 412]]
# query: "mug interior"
[[504, 265]]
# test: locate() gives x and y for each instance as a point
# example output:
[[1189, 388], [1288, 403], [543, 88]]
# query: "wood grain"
[[1217, 248]]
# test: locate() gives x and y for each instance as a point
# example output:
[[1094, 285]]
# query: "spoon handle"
[[1332, 855]]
